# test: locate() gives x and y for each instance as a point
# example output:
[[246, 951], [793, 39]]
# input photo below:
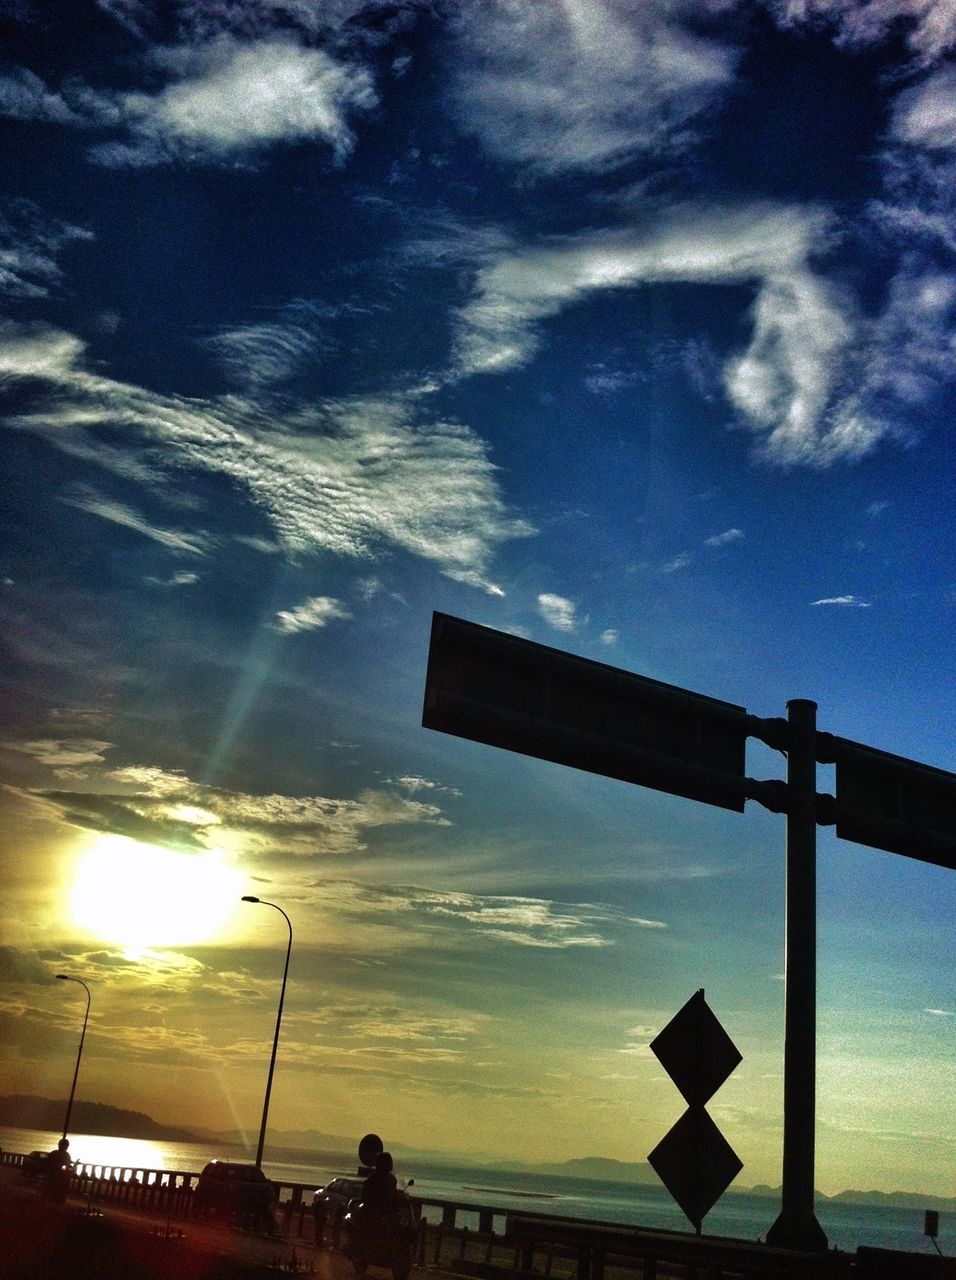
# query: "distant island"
[[27, 1112]]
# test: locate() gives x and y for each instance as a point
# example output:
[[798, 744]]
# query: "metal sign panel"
[[889, 802], [508, 692], [696, 1163], [695, 1051]]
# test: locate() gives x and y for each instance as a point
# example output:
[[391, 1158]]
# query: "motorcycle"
[[383, 1237]]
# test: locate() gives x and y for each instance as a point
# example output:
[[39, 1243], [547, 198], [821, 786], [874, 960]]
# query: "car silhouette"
[[237, 1192], [34, 1165], [330, 1203]]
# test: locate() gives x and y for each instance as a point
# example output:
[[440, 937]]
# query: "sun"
[[141, 895]]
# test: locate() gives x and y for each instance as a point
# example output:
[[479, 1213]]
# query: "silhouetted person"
[[56, 1175], [379, 1188]]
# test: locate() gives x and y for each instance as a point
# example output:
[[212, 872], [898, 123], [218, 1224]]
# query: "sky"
[[624, 326]]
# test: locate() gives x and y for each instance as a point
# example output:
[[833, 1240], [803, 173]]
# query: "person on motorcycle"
[[379, 1188], [57, 1170]]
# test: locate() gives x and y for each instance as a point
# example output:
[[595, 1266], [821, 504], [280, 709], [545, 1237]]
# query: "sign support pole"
[[797, 1226]]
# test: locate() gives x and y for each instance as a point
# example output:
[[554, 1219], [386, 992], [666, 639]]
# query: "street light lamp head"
[[247, 897], [63, 977]]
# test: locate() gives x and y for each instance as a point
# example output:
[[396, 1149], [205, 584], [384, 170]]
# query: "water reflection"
[[118, 1153]]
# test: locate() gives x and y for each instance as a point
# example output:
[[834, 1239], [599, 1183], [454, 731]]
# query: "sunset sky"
[[625, 326]]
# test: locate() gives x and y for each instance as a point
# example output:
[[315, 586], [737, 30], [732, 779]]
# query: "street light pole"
[[65, 977], [275, 1042]]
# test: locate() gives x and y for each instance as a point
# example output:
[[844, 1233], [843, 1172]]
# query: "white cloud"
[[585, 84], [929, 25], [847, 602], [351, 477], [62, 752], [119, 513], [679, 562], [722, 539], [610, 637], [223, 98], [925, 115], [557, 611], [788, 384], [24, 96], [159, 807], [29, 243], [310, 615], [262, 355]]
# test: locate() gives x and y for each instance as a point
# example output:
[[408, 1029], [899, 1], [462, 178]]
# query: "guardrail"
[[508, 1241]]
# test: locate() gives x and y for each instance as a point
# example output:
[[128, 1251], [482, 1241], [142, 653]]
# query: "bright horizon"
[[621, 325]]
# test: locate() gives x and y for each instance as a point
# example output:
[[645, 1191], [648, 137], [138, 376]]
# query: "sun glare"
[[140, 895]]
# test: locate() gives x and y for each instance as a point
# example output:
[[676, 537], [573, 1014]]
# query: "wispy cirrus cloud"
[[349, 476], [120, 513], [30, 241], [846, 602], [311, 615], [521, 921], [270, 352], [724, 539]]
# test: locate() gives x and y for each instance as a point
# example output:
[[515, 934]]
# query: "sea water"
[[739, 1214]]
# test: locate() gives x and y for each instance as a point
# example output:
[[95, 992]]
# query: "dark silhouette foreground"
[[40, 1239]]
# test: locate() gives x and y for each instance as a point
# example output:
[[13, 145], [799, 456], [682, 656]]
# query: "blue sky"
[[623, 326]]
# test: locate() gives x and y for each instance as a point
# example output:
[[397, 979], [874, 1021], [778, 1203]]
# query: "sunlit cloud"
[[521, 921], [381, 475], [222, 98], [311, 615], [62, 752], [790, 385], [170, 810], [557, 611], [846, 602]]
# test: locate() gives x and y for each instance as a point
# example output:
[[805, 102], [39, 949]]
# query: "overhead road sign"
[[889, 802], [509, 692]]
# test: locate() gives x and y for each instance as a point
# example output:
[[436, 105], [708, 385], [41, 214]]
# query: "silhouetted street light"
[[275, 1042], [65, 977]]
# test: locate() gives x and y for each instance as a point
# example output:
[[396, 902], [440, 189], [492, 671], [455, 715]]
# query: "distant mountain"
[[28, 1112], [24, 1111], [602, 1169], [896, 1199]]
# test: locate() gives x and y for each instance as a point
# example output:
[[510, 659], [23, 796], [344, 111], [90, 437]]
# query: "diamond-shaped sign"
[[695, 1051], [696, 1163]]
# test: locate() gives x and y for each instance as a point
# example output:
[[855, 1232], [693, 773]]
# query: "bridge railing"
[[485, 1241]]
